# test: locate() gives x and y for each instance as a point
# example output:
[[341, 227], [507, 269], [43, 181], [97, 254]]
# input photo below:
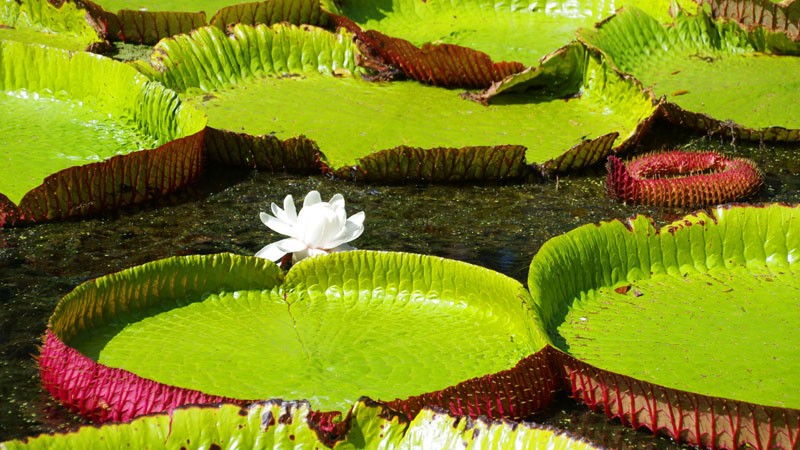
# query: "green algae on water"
[[43, 135]]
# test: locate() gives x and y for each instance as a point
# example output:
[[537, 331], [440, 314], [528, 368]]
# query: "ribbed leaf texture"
[[146, 27], [326, 309], [781, 17], [210, 59], [265, 152], [442, 65], [402, 164], [280, 424], [295, 12], [570, 112], [682, 179], [715, 75], [120, 95], [38, 21], [684, 329]]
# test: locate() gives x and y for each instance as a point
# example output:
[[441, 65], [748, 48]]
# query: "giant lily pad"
[[147, 21], [38, 21], [420, 38], [277, 424], [83, 118], [283, 82], [223, 327], [714, 74], [688, 330]]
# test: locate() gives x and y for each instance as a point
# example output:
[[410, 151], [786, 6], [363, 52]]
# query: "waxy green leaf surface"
[[703, 311], [276, 424], [349, 324], [38, 21], [65, 113], [288, 81], [506, 31], [714, 74]]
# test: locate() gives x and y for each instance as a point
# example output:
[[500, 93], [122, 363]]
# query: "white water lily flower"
[[321, 227]]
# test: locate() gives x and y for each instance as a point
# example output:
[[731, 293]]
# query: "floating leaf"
[[700, 347], [469, 43], [38, 21], [223, 327], [289, 81], [714, 74], [86, 126], [278, 424], [155, 20]]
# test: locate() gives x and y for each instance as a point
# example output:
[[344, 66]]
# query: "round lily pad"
[[336, 327], [511, 31], [714, 74], [282, 82], [72, 140], [702, 312]]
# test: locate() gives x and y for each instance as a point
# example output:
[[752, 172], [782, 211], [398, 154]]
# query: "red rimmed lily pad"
[[279, 424], [472, 43], [714, 74], [266, 85], [223, 327], [687, 330], [97, 135]]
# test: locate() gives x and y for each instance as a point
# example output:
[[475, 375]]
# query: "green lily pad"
[[39, 22], [86, 127], [289, 81], [387, 325], [714, 74], [147, 21], [701, 312], [512, 31], [277, 424], [471, 44]]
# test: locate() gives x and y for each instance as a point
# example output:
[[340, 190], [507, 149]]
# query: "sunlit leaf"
[[715, 75], [692, 321], [225, 327], [38, 21], [83, 133], [290, 81]]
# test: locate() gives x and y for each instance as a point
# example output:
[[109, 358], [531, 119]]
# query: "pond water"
[[497, 226]]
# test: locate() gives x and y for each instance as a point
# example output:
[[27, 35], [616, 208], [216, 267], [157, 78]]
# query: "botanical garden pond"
[[499, 226]]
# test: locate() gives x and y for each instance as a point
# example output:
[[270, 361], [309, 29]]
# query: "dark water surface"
[[500, 227]]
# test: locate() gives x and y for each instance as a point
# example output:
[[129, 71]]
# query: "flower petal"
[[337, 201], [288, 206], [277, 225], [288, 214], [291, 245], [357, 218], [318, 224], [312, 198], [352, 230], [271, 252]]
